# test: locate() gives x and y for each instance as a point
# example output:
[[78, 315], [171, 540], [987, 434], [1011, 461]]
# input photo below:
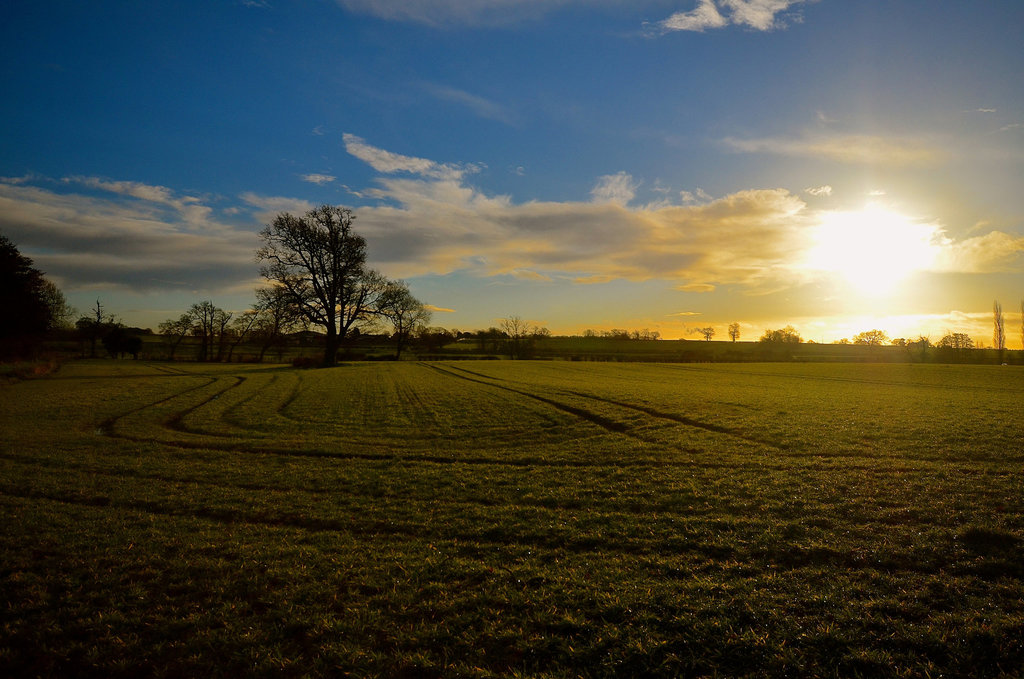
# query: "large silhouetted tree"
[[27, 300], [320, 264]]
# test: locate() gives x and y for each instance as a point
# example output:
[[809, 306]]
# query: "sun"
[[872, 250]]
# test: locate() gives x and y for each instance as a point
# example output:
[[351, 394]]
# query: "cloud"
[[686, 313], [706, 15], [484, 108], [825, 190], [438, 309], [390, 163], [854, 149], [132, 236], [995, 251], [752, 239], [696, 287], [318, 178], [592, 280], [619, 188], [699, 196], [761, 15]]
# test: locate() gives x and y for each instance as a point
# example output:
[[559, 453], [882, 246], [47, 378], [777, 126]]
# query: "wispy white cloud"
[[619, 188], [318, 179], [761, 15], [704, 16], [854, 149], [390, 163], [825, 190], [697, 196], [438, 309], [480, 106]]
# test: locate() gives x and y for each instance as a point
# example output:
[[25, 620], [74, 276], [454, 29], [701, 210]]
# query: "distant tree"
[[277, 317], [954, 346], [206, 319], [999, 329], [320, 263], [787, 335], [708, 332], [734, 331], [898, 342], [118, 341], [842, 341], [433, 339], [872, 338], [956, 340], [922, 344], [174, 331], [61, 312], [397, 305], [593, 333], [517, 333]]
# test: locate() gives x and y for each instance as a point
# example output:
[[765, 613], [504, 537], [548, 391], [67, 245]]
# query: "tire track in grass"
[[106, 427], [681, 419], [590, 416], [678, 419], [175, 422]]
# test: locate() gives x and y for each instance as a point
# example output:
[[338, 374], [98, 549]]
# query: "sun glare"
[[873, 250]]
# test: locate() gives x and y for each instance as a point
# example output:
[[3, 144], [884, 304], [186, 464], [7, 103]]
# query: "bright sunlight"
[[874, 249]]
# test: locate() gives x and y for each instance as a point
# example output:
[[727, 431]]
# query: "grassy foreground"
[[513, 518]]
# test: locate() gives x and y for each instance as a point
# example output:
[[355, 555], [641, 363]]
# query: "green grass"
[[513, 518]]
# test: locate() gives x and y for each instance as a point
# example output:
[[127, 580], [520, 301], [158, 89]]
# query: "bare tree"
[[708, 332], [276, 317], [320, 264], [204, 323], [734, 331], [998, 329], [403, 311], [517, 331], [174, 331]]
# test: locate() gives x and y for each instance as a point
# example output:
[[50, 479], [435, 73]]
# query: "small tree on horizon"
[[734, 331], [786, 335], [403, 311], [998, 329], [871, 338]]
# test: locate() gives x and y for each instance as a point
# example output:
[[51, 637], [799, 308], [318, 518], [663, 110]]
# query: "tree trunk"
[[331, 347]]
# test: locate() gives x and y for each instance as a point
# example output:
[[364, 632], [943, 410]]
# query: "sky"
[[583, 164]]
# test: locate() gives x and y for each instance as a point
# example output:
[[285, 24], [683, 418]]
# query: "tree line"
[[318, 279]]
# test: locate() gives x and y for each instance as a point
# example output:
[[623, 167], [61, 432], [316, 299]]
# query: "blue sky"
[[665, 164]]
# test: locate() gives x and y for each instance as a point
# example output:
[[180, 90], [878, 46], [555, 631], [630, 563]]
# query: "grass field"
[[500, 518]]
